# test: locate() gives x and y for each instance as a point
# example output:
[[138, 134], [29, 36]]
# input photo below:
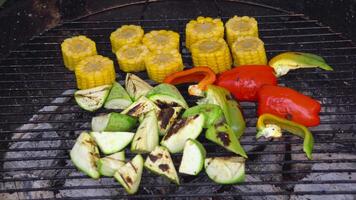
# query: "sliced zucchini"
[[136, 87], [108, 165], [129, 175], [167, 95], [193, 157], [225, 170], [223, 135], [212, 113], [140, 107], [166, 118], [118, 98], [113, 122], [182, 130], [146, 137], [92, 99], [112, 142], [159, 161], [85, 154]]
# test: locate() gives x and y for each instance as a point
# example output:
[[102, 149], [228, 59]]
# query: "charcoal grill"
[[40, 120]]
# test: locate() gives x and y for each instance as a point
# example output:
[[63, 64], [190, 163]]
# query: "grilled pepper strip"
[[271, 126], [245, 81], [203, 75], [289, 104]]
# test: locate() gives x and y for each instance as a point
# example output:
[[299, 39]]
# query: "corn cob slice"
[[160, 64], [203, 28], [131, 57], [249, 51], [213, 53], [76, 48], [238, 27], [161, 40], [126, 34], [94, 71]]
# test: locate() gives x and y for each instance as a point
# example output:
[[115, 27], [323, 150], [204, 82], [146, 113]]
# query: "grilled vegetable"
[[136, 87], [203, 28], [225, 170], [238, 27], [94, 71], [289, 104], [249, 51], [284, 62], [212, 113], [131, 57], [166, 117], [92, 99], [159, 161], [76, 48], [193, 157], [204, 75], [161, 40], [118, 98], [140, 107], [112, 142], [223, 135], [159, 64], [113, 122], [245, 81], [126, 34], [147, 136], [166, 95], [108, 165], [129, 175], [271, 126], [85, 154], [238, 124], [213, 53], [181, 131]]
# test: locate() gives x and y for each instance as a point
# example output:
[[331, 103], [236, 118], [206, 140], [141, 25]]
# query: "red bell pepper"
[[245, 81], [203, 75], [289, 104]]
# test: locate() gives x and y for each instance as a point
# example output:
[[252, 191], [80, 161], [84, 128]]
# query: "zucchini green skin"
[[118, 98], [212, 113], [113, 122]]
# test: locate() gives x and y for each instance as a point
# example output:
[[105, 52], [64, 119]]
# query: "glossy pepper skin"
[[245, 81], [289, 104]]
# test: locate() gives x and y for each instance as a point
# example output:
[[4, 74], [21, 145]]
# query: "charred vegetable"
[[108, 165], [113, 122], [140, 107], [181, 131], [166, 118], [136, 87], [212, 113], [118, 98], [225, 170], [112, 142], [193, 157], [92, 99], [159, 161], [85, 154], [167, 95]]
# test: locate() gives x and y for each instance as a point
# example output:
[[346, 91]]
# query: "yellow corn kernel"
[[76, 48], [126, 34], [238, 27], [160, 64], [213, 53], [131, 57], [203, 28], [161, 40], [249, 51], [94, 71]]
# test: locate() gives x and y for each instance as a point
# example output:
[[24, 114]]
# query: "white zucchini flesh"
[[112, 142], [108, 166], [92, 99], [193, 158], [225, 170]]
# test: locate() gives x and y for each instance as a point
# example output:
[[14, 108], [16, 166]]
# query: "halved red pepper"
[[245, 81], [289, 104], [203, 75]]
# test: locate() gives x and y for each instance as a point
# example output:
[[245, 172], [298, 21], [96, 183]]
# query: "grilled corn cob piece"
[[161, 40], [213, 53], [131, 57], [94, 71], [238, 27], [76, 48], [126, 34], [203, 28], [160, 64], [249, 51]]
